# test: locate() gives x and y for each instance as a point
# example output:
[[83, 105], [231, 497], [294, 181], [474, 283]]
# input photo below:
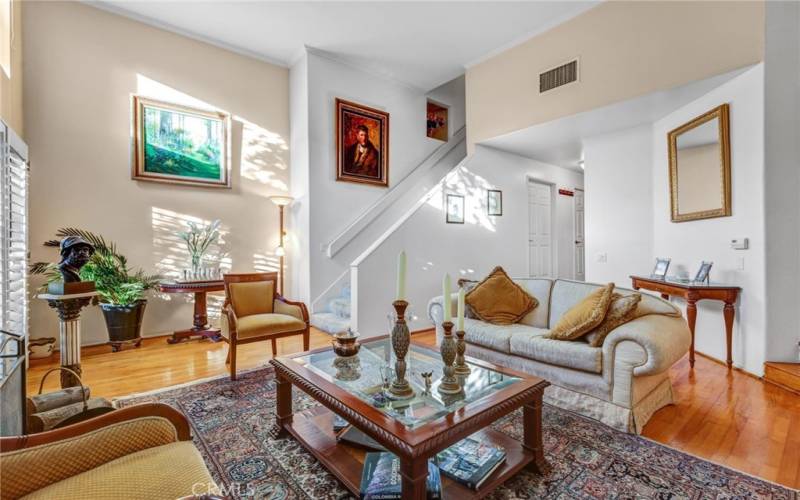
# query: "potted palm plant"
[[120, 289]]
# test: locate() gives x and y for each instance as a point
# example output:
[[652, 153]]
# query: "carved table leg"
[[532, 433], [283, 406], [414, 473], [201, 327], [728, 312], [691, 318]]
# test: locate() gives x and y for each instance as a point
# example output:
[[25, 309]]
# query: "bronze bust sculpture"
[[75, 253]]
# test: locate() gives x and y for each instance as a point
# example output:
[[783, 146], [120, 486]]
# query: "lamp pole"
[[281, 202]]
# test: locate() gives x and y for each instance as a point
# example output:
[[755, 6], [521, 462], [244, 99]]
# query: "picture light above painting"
[[362, 144], [180, 145]]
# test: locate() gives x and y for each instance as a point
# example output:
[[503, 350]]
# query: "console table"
[[201, 327], [692, 292]]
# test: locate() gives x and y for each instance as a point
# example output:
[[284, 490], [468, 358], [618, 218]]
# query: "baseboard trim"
[[720, 362]]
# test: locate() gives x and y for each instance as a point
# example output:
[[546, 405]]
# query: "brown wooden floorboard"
[[727, 417]]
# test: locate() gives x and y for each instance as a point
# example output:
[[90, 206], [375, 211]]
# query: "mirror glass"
[[699, 168]]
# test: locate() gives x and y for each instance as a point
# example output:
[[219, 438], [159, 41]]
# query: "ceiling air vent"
[[556, 77]]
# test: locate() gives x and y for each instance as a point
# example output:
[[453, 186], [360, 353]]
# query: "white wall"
[[782, 179], [687, 243], [298, 244], [81, 67], [619, 213], [336, 204], [467, 250]]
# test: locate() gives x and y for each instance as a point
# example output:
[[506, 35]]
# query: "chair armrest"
[[30, 463], [662, 341], [281, 305], [228, 321], [436, 313]]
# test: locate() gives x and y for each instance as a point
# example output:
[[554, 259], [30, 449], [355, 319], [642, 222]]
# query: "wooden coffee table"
[[414, 430]]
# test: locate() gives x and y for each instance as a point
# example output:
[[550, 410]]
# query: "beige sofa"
[[622, 383]]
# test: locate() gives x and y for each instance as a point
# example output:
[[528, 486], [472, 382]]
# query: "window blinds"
[[14, 237]]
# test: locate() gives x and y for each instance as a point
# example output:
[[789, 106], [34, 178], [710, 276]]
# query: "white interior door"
[[580, 244], [540, 237]]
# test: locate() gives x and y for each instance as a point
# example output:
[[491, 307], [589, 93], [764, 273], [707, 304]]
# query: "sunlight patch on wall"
[[263, 263], [264, 156], [148, 87], [473, 188]]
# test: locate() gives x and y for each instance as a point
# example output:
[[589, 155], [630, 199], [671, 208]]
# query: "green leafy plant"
[[115, 281]]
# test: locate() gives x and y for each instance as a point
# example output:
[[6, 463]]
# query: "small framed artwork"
[[180, 145], [437, 121], [660, 271], [362, 144], [702, 275], [494, 202], [455, 209]]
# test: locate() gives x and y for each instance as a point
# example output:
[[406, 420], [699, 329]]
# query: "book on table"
[[470, 461], [351, 435], [381, 480]]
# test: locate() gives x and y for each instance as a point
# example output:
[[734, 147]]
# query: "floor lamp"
[[281, 202]]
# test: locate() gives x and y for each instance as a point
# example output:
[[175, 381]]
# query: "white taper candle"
[[460, 311], [401, 276], [448, 300]]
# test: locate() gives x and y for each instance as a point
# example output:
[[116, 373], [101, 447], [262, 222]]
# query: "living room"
[[200, 193]]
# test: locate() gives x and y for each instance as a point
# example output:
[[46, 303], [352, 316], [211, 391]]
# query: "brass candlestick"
[[401, 339], [449, 383], [462, 368]]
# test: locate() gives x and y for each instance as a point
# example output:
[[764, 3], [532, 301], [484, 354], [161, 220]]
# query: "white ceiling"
[[560, 142], [422, 44]]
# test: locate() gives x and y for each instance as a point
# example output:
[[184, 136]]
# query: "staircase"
[[331, 311]]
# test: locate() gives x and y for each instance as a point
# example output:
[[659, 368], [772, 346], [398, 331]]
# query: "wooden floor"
[[727, 417]]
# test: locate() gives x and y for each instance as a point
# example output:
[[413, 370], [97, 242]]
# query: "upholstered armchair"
[[142, 451], [253, 311]]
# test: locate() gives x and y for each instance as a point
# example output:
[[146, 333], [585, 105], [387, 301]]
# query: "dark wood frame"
[[175, 417], [137, 159], [343, 106], [413, 446], [488, 204], [447, 209], [201, 328], [233, 341], [447, 120], [720, 113], [693, 292]]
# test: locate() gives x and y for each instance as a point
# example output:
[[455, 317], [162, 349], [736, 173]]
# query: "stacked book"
[[470, 461]]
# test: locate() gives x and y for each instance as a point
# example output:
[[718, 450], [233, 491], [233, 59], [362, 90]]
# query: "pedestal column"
[[69, 327]]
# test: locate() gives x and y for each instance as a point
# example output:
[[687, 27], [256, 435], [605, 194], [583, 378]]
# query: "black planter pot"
[[124, 323]]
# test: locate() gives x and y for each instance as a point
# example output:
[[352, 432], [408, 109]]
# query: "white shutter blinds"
[[14, 237]]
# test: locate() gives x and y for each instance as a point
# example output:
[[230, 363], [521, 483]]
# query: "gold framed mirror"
[[700, 167]]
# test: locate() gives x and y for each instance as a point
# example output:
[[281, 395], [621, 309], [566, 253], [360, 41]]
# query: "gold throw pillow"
[[498, 300], [621, 310], [584, 316]]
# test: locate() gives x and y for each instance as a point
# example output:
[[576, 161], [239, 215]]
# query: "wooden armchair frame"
[[227, 310]]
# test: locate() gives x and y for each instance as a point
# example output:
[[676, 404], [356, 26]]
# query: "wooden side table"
[[693, 292], [201, 327]]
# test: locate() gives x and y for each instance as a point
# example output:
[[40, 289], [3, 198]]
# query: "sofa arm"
[[436, 312], [32, 462], [660, 341]]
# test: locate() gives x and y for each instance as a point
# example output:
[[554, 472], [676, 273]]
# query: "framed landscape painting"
[[179, 144], [362, 144]]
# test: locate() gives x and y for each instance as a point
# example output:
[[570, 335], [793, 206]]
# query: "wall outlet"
[[602, 258]]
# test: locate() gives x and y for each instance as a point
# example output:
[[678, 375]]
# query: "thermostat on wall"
[[739, 243]]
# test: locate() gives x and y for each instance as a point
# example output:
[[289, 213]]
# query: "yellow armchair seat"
[[257, 325], [168, 471]]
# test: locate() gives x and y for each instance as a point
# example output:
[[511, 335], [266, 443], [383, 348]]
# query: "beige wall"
[[626, 49], [11, 88], [82, 65]]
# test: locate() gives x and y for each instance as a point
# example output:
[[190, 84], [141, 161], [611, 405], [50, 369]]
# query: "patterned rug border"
[[268, 368]]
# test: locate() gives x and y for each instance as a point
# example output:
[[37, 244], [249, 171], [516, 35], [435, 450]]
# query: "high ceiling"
[[422, 44]]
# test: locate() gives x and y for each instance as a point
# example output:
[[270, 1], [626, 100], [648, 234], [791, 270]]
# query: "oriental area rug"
[[231, 423]]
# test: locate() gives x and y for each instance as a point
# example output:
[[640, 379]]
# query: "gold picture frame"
[[192, 148], [721, 115]]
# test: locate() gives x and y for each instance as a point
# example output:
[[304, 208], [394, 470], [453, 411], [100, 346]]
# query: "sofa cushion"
[[584, 316], [566, 294], [576, 355], [497, 299], [621, 310], [539, 288], [169, 471], [495, 337]]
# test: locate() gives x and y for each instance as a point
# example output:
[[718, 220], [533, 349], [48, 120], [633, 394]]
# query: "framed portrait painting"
[[180, 145], [362, 144]]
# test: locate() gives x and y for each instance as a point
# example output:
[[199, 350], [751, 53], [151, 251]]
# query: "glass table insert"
[[362, 376]]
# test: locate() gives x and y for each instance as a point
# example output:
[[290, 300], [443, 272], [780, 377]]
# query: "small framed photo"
[[494, 202], [455, 209], [660, 271], [702, 273]]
